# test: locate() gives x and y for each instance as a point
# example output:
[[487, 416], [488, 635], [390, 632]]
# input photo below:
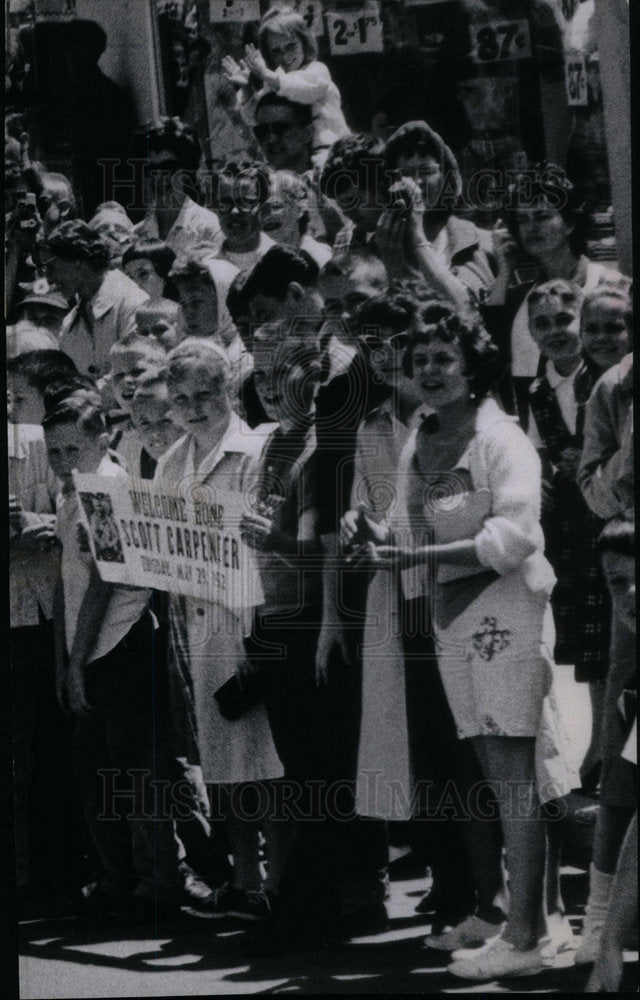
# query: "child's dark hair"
[[384, 312], [157, 251], [442, 322], [302, 112], [60, 389], [619, 536], [274, 272], [75, 240], [41, 368], [84, 408]]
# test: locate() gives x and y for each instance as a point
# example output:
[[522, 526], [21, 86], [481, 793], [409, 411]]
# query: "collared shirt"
[[33, 574], [194, 225], [112, 316], [126, 604], [563, 387]]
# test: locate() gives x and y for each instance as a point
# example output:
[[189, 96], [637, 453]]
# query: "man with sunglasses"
[[283, 129], [238, 193], [171, 153]]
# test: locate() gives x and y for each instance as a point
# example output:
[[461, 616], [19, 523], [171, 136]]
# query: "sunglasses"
[[277, 129], [373, 343]]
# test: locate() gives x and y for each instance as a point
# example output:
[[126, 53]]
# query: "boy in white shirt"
[[107, 652]]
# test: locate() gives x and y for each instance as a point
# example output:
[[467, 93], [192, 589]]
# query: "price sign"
[[575, 78], [173, 9], [500, 41], [234, 10], [310, 11], [354, 31]]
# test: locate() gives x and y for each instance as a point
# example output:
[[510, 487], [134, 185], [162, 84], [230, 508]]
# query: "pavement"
[[64, 958]]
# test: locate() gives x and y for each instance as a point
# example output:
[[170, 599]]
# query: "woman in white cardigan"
[[467, 533]]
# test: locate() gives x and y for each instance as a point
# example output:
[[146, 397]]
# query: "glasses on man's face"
[[277, 129], [374, 343]]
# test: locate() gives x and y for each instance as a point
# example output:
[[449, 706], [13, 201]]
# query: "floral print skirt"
[[495, 659]]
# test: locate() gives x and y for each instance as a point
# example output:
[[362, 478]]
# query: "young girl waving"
[[286, 62]]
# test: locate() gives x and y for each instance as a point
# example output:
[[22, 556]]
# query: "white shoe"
[[500, 959], [470, 934], [561, 937]]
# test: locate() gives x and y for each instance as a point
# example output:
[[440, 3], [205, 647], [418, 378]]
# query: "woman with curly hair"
[[467, 537], [78, 261]]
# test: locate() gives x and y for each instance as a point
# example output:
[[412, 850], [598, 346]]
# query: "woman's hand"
[[393, 556], [236, 73], [356, 527], [257, 531], [401, 225]]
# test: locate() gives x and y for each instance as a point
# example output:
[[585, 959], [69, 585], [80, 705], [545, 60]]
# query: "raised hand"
[[236, 73], [256, 63]]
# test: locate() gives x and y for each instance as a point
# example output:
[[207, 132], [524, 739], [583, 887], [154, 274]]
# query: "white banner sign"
[[354, 31], [185, 540], [500, 41], [234, 10], [575, 76]]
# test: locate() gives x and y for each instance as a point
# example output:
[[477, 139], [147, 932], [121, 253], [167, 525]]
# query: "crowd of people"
[[432, 427]]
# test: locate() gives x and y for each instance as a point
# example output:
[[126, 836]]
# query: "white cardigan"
[[505, 467]]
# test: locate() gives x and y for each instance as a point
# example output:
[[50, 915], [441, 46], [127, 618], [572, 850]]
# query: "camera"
[[28, 212]]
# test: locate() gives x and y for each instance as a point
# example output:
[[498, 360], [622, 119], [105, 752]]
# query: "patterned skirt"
[[495, 660]]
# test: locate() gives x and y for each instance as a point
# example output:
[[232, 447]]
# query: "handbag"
[[236, 696]]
